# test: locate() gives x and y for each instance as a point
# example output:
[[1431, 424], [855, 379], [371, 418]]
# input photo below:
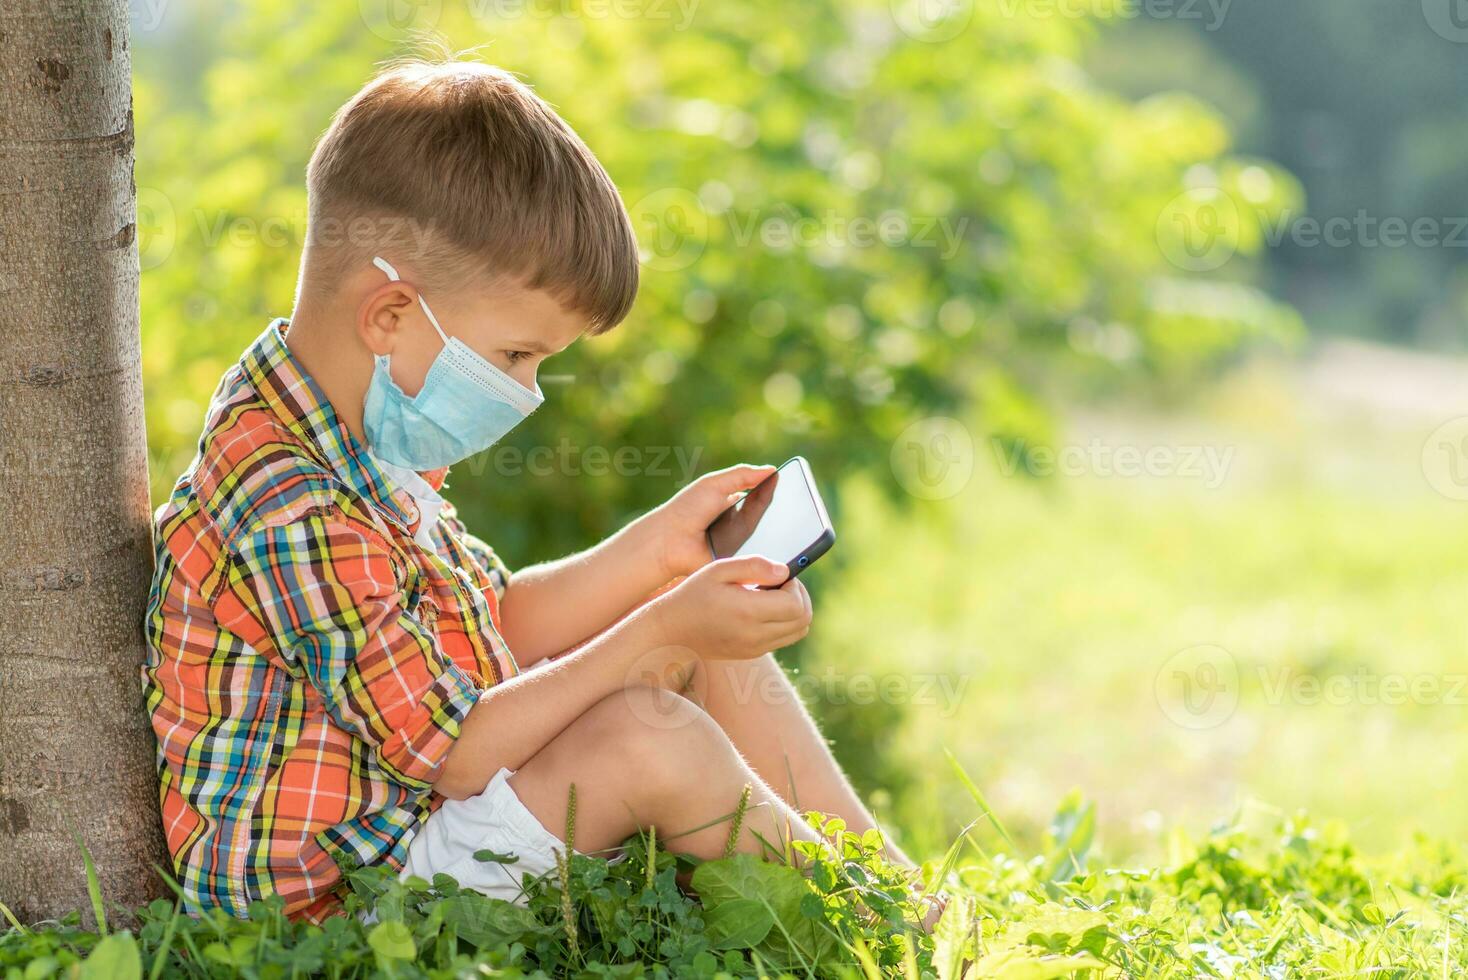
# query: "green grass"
[[1272, 898], [1055, 605]]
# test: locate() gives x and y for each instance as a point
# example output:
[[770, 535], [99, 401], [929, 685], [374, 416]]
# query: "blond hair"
[[460, 168]]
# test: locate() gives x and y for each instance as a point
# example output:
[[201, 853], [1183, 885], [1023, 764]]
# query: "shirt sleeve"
[[327, 593]]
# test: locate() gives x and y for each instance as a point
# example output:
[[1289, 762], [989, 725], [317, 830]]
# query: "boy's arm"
[[550, 608], [712, 611], [324, 591]]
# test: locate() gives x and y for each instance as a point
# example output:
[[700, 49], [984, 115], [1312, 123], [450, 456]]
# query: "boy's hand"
[[715, 614], [683, 521]]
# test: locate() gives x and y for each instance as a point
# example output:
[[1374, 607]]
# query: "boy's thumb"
[[742, 477], [753, 570]]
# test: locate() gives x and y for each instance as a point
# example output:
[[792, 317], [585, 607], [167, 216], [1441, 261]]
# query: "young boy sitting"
[[339, 670]]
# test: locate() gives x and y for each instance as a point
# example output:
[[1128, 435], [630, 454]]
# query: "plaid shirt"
[[310, 663]]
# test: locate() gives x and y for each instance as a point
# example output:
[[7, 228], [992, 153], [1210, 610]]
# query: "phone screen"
[[780, 519]]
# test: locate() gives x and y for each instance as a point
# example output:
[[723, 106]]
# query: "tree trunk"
[[76, 751]]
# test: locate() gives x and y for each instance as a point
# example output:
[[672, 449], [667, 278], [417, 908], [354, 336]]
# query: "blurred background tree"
[[854, 215], [920, 241], [1363, 102]]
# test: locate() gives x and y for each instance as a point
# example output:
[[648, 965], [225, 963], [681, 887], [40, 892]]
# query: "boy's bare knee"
[[662, 739], [653, 708]]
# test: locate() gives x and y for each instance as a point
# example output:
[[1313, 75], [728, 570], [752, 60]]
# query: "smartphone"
[[783, 518]]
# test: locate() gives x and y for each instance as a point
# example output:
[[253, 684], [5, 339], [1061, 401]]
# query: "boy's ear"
[[382, 317]]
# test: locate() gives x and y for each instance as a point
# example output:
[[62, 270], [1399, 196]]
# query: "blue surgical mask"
[[465, 406]]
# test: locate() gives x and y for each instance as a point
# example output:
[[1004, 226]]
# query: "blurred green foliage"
[[1033, 628], [854, 215], [1363, 102]]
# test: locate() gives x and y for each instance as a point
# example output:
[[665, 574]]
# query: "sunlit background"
[[1124, 337]]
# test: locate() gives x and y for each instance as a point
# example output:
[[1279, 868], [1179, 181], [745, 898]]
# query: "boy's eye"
[[516, 356]]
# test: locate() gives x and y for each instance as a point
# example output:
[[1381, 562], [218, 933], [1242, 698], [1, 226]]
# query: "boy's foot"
[[932, 905]]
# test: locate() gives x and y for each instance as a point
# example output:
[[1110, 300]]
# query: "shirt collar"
[[301, 405], [423, 495]]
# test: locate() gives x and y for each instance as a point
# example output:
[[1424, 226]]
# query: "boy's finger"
[[744, 476], [786, 639], [751, 570], [796, 586], [782, 607]]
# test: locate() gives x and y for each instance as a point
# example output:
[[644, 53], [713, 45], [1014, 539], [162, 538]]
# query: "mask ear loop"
[[392, 274]]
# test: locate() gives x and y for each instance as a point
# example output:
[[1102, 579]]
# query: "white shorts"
[[494, 820]]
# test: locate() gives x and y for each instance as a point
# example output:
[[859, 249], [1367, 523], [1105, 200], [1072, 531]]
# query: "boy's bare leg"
[[755, 703], [645, 757]]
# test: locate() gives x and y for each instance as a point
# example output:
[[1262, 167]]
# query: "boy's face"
[[512, 327]]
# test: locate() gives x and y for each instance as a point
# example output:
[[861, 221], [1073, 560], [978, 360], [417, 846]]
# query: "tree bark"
[[76, 750]]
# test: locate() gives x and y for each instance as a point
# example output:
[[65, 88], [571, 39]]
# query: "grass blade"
[[978, 797], [160, 958], [14, 922], [94, 884]]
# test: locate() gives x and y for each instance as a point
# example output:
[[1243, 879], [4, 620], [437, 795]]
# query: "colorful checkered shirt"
[[310, 663]]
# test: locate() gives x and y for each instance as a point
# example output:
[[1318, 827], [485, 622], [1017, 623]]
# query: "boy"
[[338, 669]]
